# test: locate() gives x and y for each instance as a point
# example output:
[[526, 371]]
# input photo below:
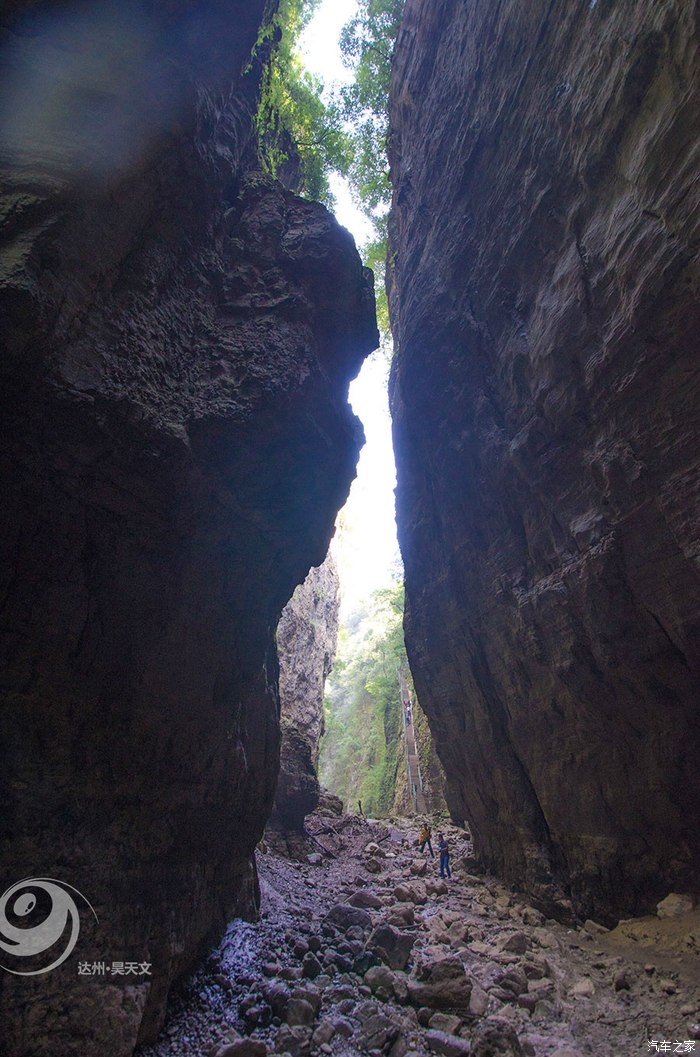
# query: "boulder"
[[675, 905], [440, 984], [446, 1044], [365, 899], [344, 916], [393, 947]]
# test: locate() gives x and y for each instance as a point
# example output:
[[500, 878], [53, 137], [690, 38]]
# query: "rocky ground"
[[361, 948]]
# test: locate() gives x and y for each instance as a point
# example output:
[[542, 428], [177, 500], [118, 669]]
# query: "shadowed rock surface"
[[544, 296], [178, 337], [307, 635]]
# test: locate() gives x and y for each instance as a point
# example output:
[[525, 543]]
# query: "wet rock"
[[448, 1045], [674, 906], [393, 947], [344, 916]]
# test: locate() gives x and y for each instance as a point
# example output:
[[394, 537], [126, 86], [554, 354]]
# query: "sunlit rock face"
[[178, 337], [307, 636], [545, 400]]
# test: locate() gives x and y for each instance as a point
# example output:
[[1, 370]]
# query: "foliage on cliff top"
[[301, 137], [305, 134]]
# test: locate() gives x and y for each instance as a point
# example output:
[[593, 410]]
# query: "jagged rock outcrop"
[[544, 278], [307, 635], [178, 337]]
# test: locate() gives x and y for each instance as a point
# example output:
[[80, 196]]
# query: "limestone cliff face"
[[545, 398], [178, 337], [307, 635]]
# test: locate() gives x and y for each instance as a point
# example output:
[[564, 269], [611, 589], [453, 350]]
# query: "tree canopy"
[[302, 138], [306, 133]]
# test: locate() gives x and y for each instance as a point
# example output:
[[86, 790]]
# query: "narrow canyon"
[[180, 327]]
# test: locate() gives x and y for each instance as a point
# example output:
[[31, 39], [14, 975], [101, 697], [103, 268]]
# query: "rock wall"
[[178, 338], [544, 298], [307, 635]]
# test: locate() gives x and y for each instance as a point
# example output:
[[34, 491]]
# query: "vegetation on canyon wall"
[[362, 746], [299, 133], [306, 133]]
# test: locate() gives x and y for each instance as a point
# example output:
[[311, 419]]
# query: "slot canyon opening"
[[182, 318]]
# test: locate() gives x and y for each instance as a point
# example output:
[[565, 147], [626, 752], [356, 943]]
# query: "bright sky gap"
[[367, 550]]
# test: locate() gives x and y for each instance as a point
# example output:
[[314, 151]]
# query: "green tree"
[[301, 138], [304, 136], [361, 746], [367, 45]]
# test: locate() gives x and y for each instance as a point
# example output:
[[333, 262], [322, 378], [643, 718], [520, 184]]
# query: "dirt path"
[[365, 950]]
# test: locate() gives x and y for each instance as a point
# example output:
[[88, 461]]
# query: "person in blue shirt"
[[444, 856]]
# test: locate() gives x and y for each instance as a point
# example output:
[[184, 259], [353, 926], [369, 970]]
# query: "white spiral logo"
[[27, 942]]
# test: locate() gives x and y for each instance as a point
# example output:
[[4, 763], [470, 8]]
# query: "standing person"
[[424, 838], [444, 856]]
